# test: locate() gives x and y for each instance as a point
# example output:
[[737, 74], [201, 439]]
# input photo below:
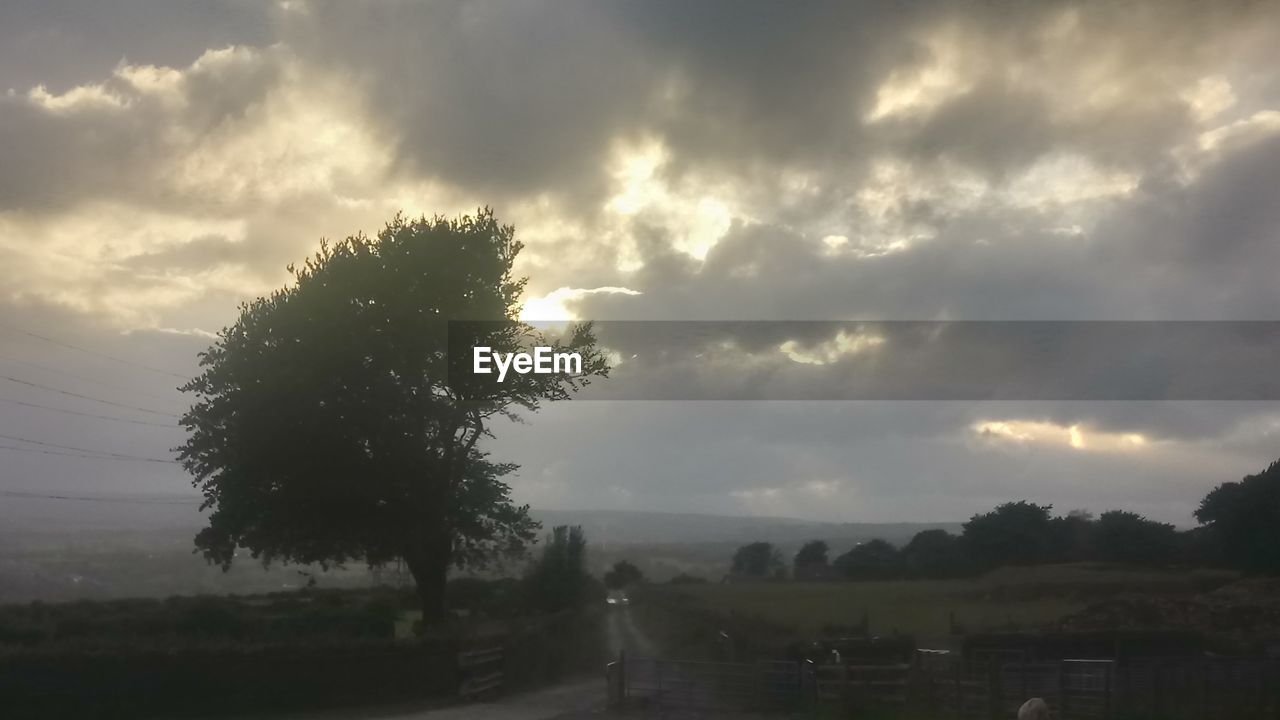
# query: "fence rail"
[[956, 689], [481, 672]]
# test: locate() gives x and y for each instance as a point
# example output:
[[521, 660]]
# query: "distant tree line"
[[1239, 528]]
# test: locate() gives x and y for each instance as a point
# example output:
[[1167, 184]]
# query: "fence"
[[1088, 689], [480, 672], [946, 688]]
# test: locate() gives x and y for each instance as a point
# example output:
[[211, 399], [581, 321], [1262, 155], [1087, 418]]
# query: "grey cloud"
[[64, 43], [838, 461], [1214, 239], [52, 160], [500, 98]]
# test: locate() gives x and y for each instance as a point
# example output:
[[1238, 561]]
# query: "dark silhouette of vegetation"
[[1072, 537], [871, 560], [934, 554], [1239, 529], [1015, 533], [811, 562], [622, 574], [758, 560], [1243, 521], [327, 427], [301, 651], [1122, 536], [559, 579]]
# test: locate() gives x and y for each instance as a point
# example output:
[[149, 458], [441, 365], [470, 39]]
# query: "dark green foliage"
[[758, 560], [220, 680], [811, 561], [622, 574], [312, 665], [1015, 533], [1072, 537], [1123, 536], [559, 579], [1243, 519], [327, 427], [305, 616], [871, 560], [934, 554]]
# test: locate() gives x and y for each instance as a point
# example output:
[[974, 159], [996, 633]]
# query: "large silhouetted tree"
[[872, 560], [1124, 536], [934, 554], [327, 426], [758, 560], [1243, 519], [1015, 533], [622, 574], [559, 579], [811, 562]]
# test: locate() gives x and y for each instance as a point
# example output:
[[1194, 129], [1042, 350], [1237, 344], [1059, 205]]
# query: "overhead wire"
[[82, 396], [107, 454], [89, 351], [88, 498], [57, 371], [24, 403]]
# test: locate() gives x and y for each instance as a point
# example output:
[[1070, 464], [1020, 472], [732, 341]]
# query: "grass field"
[[1018, 596]]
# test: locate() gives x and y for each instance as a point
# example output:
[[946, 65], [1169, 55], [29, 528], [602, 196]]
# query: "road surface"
[[579, 699]]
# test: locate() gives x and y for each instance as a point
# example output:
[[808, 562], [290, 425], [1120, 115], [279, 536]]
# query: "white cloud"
[[554, 306], [831, 351], [1044, 433]]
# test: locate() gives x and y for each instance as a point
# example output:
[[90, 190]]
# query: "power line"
[[87, 397], [139, 501], [88, 415], [87, 456], [98, 454], [79, 455], [93, 352], [82, 378]]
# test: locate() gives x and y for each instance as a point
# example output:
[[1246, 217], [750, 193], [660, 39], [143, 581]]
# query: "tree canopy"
[[559, 579], [1015, 533], [622, 574], [811, 561], [327, 426], [872, 560], [757, 560], [1244, 520]]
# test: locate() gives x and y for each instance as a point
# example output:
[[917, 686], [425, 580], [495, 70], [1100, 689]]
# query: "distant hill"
[[65, 550], [666, 544], [629, 527]]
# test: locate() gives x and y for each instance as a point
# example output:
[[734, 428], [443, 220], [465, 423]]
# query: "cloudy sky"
[[162, 161]]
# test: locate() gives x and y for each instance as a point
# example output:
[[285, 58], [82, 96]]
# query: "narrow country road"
[[625, 635], [579, 699], [571, 701]]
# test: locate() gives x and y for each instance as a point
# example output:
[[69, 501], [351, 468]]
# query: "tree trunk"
[[429, 566]]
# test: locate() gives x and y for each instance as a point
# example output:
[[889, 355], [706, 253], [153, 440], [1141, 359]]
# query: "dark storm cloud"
[[525, 98], [501, 98]]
